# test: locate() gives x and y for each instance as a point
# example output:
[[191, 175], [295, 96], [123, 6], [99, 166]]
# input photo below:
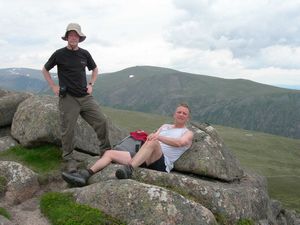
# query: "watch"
[[92, 84]]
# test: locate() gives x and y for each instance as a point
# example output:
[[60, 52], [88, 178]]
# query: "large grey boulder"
[[247, 198], [5, 131], [288, 217], [4, 92], [5, 221], [209, 156], [22, 183], [6, 143], [9, 102], [37, 121], [138, 203]]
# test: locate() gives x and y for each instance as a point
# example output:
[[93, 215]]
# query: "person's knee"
[[151, 144], [108, 154]]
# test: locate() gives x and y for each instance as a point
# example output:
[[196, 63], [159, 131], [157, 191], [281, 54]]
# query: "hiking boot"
[[125, 172], [77, 178]]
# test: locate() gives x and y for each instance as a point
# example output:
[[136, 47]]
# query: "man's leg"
[[69, 112], [92, 113], [109, 156], [80, 178], [149, 153]]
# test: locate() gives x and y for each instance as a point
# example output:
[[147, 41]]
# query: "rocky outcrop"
[[9, 102], [139, 203], [7, 142], [4, 92], [207, 187], [22, 183], [37, 121], [209, 156], [247, 198], [5, 131], [5, 221]]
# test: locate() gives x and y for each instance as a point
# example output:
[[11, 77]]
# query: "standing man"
[[75, 93]]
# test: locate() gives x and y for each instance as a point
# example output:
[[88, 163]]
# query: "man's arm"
[[93, 80], [47, 76], [94, 75], [154, 135], [186, 139]]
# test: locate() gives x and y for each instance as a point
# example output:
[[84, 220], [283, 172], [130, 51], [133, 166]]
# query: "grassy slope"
[[275, 157], [229, 102]]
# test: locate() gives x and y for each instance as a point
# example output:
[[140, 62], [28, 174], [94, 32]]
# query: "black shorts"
[[158, 165]]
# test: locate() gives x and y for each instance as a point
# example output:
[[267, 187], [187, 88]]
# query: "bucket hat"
[[76, 27]]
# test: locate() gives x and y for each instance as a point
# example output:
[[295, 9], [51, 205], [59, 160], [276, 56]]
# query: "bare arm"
[[93, 80], [153, 136], [186, 139], [47, 76]]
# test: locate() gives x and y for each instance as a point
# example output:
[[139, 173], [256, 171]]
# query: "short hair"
[[185, 105]]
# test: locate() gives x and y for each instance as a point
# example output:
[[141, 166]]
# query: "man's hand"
[[89, 89], [55, 89], [152, 137]]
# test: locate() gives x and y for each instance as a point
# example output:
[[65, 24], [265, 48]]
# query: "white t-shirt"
[[172, 153]]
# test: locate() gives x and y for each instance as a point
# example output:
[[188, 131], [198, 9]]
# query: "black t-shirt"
[[71, 69]]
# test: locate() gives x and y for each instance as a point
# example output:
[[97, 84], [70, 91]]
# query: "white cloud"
[[151, 51], [220, 61], [251, 39], [287, 57], [274, 76]]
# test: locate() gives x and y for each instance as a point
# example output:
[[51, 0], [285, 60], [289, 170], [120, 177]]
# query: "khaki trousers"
[[70, 108]]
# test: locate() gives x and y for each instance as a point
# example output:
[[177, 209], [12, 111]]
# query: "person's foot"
[[76, 178], [125, 172]]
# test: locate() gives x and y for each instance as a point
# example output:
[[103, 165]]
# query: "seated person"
[[159, 152]]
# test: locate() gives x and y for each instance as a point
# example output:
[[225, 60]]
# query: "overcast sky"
[[257, 40]]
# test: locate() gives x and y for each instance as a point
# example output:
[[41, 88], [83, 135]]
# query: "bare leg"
[[149, 153], [109, 156]]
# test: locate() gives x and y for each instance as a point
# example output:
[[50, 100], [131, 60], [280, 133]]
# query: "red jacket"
[[139, 135]]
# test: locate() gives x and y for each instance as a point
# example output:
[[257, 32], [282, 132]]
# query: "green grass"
[[287, 190], [245, 222], [4, 213], [270, 155], [3, 183], [136, 120], [61, 209], [41, 159], [275, 157]]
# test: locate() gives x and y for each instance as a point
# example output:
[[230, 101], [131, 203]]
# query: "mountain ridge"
[[235, 103], [230, 102]]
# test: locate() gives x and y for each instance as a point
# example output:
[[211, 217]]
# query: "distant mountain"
[[231, 102], [293, 87], [22, 79]]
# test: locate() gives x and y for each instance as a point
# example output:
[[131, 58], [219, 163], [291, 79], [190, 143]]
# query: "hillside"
[[230, 102], [275, 157], [22, 79], [236, 103]]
